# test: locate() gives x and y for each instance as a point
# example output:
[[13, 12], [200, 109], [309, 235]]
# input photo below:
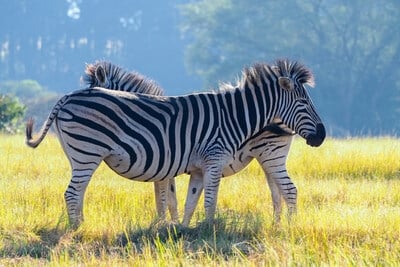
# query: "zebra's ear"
[[286, 83], [100, 74]]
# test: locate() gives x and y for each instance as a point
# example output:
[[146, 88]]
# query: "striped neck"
[[245, 111]]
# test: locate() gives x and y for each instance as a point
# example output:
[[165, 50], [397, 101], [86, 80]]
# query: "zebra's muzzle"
[[318, 138]]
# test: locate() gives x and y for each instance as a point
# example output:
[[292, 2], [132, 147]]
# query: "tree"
[[36, 98], [53, 41], [11, 113], [25, 90], [352, 47]]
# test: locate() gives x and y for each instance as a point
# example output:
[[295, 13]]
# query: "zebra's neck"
[[245, 111]]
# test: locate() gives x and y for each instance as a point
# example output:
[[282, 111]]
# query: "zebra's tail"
[[46, 126]]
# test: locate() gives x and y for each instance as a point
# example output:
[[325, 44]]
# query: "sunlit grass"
[[357, 157], [348, 212]]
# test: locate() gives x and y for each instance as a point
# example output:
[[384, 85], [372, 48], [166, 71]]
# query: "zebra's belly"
[[236, 166], [142, 168]]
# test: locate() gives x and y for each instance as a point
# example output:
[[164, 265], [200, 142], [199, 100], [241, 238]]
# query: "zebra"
[[270, 147], [154, 138], [110, 76]]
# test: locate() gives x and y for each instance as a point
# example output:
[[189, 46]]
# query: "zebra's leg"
[[211, 180], [289, 193], [287, 190], [276, 198], [194, 191], [281, 185], [172, 202], [165, 195], [161, 193], [273, 162], [74, 195]]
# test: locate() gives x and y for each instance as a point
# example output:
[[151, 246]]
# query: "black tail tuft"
[[29, 131]]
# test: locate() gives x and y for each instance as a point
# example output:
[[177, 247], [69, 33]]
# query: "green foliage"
[[11, 113], [25, 89], [36, 98], [28, 91], [353, 49], [348, 213]]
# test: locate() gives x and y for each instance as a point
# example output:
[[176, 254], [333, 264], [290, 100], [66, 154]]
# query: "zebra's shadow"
[[227, 235], [38, 244]]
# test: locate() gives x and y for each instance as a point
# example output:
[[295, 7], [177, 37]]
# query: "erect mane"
[[282, 67], [117, 78], [295, 70]]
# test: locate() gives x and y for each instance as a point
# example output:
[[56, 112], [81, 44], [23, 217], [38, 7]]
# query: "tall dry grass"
[[348, 212]]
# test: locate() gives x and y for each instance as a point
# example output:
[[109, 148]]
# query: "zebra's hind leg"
[[195, 189], [75, 193]]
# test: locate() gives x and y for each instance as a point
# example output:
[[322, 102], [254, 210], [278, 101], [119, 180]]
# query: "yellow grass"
[[348, 212]]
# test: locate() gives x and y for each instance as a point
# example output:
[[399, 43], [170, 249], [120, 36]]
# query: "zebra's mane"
[[115, 78], [282, 67], [295, 70]]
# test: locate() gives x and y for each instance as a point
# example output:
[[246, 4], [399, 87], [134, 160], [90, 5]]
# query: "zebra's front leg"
[[195, 189], [172, 202], [281, 185], [276, 199], [289, 193], [161, 195], [74, 196], [211, 182], [273, 161]]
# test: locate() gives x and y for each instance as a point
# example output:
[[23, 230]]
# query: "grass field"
[[348, 213]]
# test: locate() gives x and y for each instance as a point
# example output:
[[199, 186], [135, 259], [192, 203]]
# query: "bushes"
[[21, 99], [11, 113]]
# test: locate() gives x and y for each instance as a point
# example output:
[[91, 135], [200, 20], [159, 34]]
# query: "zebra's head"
[[295, 108], [107, 75]]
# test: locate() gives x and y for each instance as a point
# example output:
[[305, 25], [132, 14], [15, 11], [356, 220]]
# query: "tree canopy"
[[352, 47], [50, 42]]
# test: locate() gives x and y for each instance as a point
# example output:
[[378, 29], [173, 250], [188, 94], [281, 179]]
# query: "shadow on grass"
[[35, 244], [228, 234]]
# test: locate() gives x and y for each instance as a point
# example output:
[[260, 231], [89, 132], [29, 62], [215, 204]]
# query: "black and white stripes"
[[154, 138]]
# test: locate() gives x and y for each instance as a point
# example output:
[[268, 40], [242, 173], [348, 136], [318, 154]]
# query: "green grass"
[[348, 212]]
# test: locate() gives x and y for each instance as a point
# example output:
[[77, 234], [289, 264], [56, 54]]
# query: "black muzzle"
[[318, 138]]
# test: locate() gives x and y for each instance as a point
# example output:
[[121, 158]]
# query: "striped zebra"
[[110, 76], [270, 147], [154, 138]]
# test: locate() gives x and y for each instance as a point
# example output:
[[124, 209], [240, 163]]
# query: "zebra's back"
[[140, 137]]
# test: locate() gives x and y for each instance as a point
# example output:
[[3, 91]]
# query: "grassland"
[[348, 213]]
